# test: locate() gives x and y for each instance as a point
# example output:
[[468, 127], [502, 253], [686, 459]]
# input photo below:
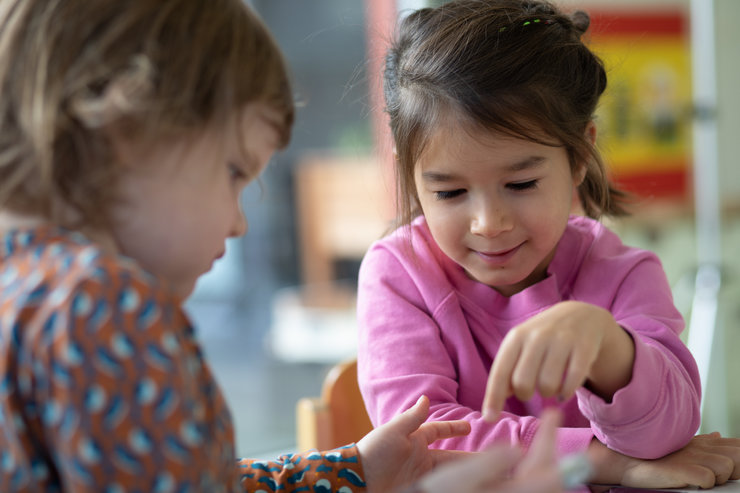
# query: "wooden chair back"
[[336, 418]]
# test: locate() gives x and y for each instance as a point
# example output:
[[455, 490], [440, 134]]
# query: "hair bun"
[[581, 21]]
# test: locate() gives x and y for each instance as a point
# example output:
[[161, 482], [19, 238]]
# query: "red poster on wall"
[[644, 118]]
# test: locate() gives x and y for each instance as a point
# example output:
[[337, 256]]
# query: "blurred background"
[[278, 310]]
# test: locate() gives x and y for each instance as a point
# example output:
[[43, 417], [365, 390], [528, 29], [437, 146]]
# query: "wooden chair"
[[336, 418]]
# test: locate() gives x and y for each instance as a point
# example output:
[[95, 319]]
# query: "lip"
[[500, 256]]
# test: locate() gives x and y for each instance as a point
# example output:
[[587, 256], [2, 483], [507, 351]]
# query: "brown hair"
[[513, 66], [70, 69]]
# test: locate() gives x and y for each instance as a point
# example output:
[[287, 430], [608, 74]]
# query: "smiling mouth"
[[499, 256]]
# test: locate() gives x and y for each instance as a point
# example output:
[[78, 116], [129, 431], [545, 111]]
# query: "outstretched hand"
[[707, 461], [397, 453], [501, 468]]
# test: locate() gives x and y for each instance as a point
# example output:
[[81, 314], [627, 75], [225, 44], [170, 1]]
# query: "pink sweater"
[[426, 328]]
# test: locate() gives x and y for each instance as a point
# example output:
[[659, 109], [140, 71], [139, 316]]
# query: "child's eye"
[[448, 194], [235, 172], [524, 185]]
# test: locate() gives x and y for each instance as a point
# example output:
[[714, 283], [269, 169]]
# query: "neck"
[[12, 220]]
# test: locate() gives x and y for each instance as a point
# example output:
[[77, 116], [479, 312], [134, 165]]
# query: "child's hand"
[[557, 351], [707, 461], [491, 470], [397, 453]]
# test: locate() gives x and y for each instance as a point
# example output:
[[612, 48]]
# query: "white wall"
[[728, 82]]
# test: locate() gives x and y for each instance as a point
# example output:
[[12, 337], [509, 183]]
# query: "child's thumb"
[[411, 419]]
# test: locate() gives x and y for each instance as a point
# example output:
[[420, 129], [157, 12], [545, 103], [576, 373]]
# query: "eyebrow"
[[527, 163], [524, 164]]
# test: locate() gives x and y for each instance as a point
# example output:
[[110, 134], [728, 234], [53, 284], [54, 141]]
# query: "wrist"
[[609, 466], [612, 369]]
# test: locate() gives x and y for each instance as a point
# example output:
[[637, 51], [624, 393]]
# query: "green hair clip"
[[527, 23]]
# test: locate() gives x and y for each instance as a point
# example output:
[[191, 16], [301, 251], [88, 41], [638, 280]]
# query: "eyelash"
[[517, 187], [525, 185], [448, 194], [236, 172]]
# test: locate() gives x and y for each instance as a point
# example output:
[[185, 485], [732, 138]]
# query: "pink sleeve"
[[403, 354], [658, 411]]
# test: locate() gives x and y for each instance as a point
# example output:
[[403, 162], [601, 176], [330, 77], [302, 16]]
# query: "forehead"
[[455, 132], [453, 141], [255, 131], [455, 151], [253, 119]]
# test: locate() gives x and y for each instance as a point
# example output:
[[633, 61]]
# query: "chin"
[[183, 291]]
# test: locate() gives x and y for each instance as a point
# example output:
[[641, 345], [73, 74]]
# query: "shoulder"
[[408, 264], [64, 281], [81, 314], [86, 268], [594, 261], [597, 242]]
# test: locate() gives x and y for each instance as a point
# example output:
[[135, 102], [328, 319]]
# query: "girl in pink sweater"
[[128, 131], [492, 298]]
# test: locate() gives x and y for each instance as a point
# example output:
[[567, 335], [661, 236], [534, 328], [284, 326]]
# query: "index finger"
[[438, 430], [498, 387]]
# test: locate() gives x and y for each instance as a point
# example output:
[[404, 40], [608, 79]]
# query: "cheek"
[[447, 224], [550, 202]]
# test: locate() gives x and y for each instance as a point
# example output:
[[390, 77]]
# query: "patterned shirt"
[[103, 386]]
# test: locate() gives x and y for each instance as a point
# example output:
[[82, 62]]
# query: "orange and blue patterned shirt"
[[103, 386]]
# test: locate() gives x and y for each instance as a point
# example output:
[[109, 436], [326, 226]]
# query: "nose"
[[490, 218]]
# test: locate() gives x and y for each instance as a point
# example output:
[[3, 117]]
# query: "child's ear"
[[579, 173], [121, 146], [591, 132], [576, 206]]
